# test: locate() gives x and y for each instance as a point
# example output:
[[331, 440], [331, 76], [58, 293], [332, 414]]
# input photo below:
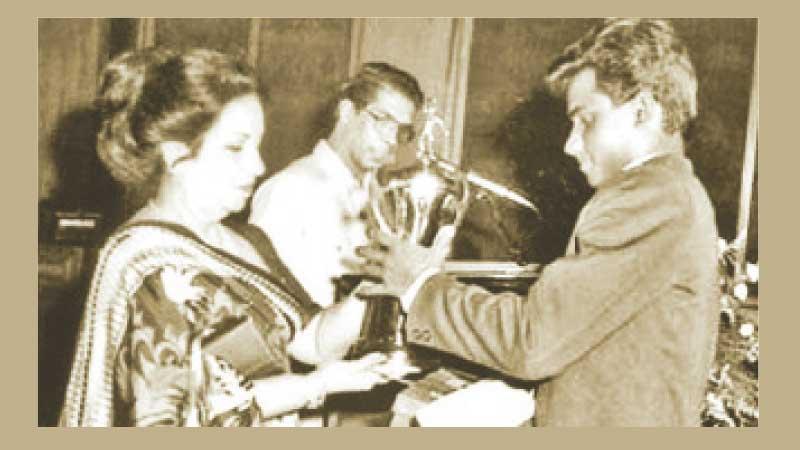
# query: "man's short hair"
[[628, 56], [362, 88]]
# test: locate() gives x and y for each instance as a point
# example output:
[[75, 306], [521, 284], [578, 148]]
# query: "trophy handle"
[[463, 202], [377, 215], [391, 193], [396, 212]]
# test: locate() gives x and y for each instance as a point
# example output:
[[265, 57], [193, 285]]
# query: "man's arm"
[[627, 248]]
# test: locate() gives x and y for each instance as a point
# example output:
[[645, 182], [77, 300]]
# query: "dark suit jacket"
[[622, 330]]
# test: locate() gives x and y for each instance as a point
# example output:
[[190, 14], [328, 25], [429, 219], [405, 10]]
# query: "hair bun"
[[120, 90], [157, 95]]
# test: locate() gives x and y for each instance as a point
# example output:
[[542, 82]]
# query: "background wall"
[[302, 62]]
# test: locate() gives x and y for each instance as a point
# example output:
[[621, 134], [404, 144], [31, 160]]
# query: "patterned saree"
[[174, 331]]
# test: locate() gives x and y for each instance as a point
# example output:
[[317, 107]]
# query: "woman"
[[187, 323]]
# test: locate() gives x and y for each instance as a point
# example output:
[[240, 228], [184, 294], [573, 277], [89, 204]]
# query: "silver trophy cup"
[[411, 204]]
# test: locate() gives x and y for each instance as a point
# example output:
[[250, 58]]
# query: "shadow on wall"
[[531, 138], [536, 131], [82, 183]]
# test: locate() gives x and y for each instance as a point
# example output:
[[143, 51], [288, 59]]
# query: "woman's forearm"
[[329, 335], [289, 392], [339, 328]]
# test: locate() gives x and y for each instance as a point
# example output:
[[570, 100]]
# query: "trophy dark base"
[[411, 355]]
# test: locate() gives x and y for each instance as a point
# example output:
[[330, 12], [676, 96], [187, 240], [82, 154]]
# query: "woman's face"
[[221, 178]]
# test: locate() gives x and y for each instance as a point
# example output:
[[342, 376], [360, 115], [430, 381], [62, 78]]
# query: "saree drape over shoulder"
[[158, 296]]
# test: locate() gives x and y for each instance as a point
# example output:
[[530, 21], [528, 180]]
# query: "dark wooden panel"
[[225, 35], [122, 35], [514, 131], [71, 53], [69, 56], [509, 58], [301, 62]]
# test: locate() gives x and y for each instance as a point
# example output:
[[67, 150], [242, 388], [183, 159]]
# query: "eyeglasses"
[[388, 125]]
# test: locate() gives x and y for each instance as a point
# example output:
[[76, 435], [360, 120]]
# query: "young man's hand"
[[399, 262]]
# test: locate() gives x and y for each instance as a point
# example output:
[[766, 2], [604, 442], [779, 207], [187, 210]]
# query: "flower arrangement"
[[732, 394]]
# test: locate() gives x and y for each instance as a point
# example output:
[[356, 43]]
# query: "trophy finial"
[[414, 205], [433, 124]]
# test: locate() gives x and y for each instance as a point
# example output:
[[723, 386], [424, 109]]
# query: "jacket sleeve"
[[627, 243]]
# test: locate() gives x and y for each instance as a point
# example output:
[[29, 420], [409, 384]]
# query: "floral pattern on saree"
[[171, 312]]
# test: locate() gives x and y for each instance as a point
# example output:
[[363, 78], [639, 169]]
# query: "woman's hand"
[[289, 392], [350, 376]]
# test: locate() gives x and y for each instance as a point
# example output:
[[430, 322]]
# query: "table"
[[394, 404]]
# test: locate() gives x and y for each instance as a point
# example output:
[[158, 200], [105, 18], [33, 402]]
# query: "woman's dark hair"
[[157, 95]]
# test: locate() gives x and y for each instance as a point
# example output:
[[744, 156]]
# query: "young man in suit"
[[621, 331]]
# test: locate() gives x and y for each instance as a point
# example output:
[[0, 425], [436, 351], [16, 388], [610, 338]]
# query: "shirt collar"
[[636, 162]]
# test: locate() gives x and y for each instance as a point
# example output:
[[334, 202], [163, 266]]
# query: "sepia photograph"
[[398, 222]]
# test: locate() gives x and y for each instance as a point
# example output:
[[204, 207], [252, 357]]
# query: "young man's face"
[[375, 129], [602, 133]]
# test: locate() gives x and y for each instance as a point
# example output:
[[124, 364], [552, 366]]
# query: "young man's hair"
[[631, 55]]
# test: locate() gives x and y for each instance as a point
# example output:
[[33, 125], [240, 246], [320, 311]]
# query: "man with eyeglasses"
[[312, 210]]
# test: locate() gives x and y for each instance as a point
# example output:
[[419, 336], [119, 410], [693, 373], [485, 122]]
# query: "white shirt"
[[310, 210]]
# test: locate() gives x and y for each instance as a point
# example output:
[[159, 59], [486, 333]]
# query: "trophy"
[[411, 204], [414, 204]]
